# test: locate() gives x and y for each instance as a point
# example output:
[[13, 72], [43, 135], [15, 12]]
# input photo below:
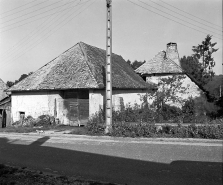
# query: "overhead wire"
[[23, 10], [40, 28], [33, 21], [179, 18], [190, 14], [17, 7], [185, 16], [49, 34], [169, 18], [36, 15]]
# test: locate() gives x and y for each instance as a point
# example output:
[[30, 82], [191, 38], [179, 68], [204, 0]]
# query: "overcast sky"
[[32, 33]]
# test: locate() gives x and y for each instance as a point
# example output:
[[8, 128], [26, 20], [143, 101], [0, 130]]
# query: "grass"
[[23, 176], [57, 129]]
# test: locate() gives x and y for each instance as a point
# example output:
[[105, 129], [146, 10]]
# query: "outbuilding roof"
[[81, 66], [3, 86], [158, 65]]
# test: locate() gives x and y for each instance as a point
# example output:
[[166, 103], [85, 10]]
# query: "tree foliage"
[[136, 64], [195, 70], [169, 90], [204, 53], [23, 76]]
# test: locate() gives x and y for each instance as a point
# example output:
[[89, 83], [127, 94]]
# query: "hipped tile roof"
[[82, 66], [158, 65]]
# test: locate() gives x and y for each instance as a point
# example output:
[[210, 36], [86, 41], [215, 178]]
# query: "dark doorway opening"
[[4, 117]]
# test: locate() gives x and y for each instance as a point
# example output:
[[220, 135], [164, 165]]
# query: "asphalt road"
[[117, 160]]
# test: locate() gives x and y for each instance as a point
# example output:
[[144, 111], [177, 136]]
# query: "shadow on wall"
[[108, 168]]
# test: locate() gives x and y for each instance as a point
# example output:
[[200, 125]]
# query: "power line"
[[34, 11], [46, 36], [33, 20], [46, 27], [17, 7], [36, 14], [191, 14], [170, 19], [22, 10], [184, 16], [179, 18], [38, 29]]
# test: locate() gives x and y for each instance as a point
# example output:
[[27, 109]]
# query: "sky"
[[34, 32]]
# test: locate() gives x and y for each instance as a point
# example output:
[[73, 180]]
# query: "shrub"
[[125, 129], [29, 121], [96, 124], [142, 129]]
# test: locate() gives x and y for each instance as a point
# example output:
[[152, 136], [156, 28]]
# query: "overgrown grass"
[[15, 175]]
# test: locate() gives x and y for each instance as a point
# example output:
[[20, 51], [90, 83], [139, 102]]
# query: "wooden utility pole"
[[109, 66]]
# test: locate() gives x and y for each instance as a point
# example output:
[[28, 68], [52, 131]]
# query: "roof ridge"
[[86, 60], [48, 63]]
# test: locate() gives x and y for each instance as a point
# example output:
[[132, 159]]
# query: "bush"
[[96, 126], [29, 121], [133, 130]]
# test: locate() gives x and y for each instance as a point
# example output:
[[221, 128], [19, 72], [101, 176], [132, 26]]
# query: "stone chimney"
[[172, 53]]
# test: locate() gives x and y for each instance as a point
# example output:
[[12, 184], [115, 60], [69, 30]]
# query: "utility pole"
[[108, 66]]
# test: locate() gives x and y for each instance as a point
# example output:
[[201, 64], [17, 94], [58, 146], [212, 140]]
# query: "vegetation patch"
[[23, 176], [139, 122]]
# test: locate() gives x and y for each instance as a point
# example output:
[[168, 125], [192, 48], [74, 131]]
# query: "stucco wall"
[[130, 97], [35, 104], [39, 103]]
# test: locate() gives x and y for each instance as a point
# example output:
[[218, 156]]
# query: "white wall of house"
[[192, 90], [130, 97], [35, 104]]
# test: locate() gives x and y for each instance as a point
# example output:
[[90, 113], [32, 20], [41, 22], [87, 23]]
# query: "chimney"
[[172, 53]]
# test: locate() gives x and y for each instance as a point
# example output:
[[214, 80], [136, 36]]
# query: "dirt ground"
[[10, 175]]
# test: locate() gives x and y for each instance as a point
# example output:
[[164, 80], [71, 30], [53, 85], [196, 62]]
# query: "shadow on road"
[[108, 168], [40, 141]]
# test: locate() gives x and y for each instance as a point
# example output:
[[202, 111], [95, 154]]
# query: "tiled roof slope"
[[3, 87], [159, 64], [82, 66]]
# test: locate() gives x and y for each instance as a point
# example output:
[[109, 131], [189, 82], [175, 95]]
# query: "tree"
[[9, 83], [204, 53], [136, 64], [195, 70], [128, 62], [23, 76], [169, 92]]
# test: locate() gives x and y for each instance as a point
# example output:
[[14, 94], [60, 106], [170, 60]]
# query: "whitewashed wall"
[[35, 104], [130, 97], [41, 103]]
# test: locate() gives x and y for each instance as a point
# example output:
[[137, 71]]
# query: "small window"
[[22, 116]]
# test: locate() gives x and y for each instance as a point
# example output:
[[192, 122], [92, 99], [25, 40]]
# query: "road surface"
[[117, 160]]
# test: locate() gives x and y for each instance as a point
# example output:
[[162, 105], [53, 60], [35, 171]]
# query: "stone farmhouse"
[[167, 64], [71, 87]]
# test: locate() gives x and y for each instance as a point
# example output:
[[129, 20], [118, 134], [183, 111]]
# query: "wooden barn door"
[[77, 106], [83, 106], [71, 104]]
